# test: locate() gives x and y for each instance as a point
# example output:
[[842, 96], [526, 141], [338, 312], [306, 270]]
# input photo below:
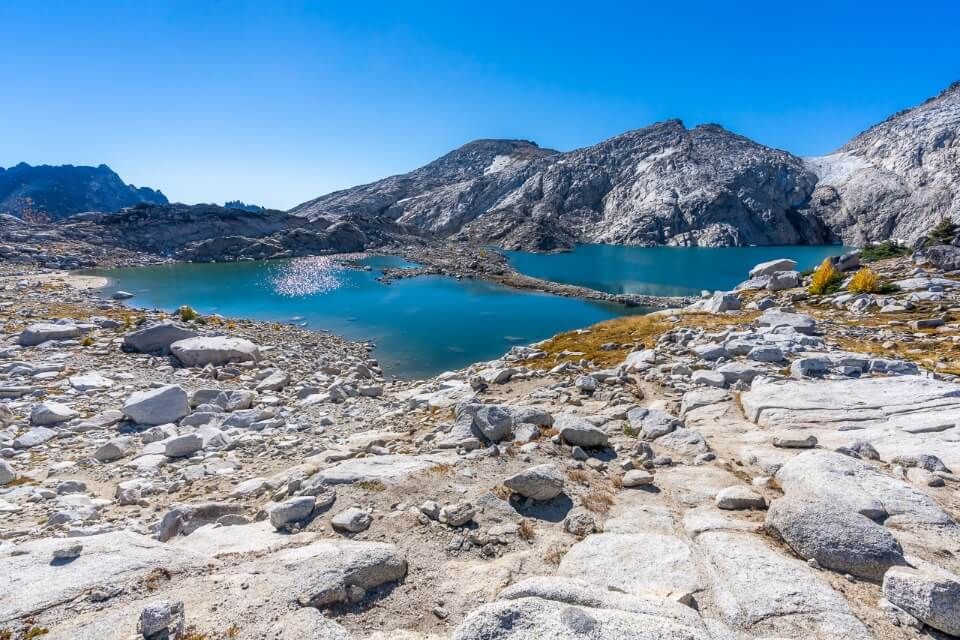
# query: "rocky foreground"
[[763, 464]]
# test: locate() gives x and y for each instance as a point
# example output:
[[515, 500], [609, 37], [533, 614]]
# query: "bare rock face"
[[897, 179], [664, 184]]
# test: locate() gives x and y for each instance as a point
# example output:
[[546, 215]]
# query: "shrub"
[[187, 313], [826, 279], [943, 233], [864, 281], [883, 251]]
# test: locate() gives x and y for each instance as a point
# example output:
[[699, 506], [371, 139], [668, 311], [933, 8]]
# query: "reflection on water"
[[306, 276]]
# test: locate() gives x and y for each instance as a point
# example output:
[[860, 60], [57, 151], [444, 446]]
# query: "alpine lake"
[[425, 325]]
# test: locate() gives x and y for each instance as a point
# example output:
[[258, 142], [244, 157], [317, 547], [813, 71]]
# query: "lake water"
[[661, 271], [421, 326], [429, 324]]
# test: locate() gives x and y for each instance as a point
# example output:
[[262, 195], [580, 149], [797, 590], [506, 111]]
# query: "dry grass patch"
[[372, 485], [501, 492], [579, 476], [597, 500], [554, 554], [527, 531], [441, 469]]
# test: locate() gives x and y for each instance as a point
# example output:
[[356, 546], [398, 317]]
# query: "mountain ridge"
[[54, 192], [670, 184]]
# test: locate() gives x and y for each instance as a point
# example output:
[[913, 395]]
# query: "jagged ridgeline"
[[46, 193]]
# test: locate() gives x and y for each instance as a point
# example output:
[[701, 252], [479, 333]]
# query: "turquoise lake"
[[661, 271], [425, 325], [422, 326]]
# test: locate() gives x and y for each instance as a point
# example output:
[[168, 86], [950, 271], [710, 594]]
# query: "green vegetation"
[[187, 313], [944, 233], [883, 251]]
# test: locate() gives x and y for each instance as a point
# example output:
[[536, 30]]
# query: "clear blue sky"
[[277, 102]]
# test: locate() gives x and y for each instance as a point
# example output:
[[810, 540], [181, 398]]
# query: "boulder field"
[[765, 463]]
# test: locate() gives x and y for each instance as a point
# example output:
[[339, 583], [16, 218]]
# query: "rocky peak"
[[898, 178], [54, 192]]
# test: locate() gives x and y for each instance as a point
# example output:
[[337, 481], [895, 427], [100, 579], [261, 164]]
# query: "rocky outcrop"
[[52, 193], [897, 179]]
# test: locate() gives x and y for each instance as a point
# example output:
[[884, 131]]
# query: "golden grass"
[[579, 475], [631, 332]]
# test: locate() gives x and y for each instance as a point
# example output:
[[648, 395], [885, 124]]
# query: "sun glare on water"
[[307, 276]]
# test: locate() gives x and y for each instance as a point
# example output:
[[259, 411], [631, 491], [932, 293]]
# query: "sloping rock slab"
[[30, 583], [321, 574], [900, 401], [851, 484], [388, 469], [763, 593], [538, 619], [635, 563], [585, 594]]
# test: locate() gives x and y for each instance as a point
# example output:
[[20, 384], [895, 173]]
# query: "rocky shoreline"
[[466, 260], [763, 463]]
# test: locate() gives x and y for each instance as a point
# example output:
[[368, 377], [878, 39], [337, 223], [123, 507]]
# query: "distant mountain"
[[898, 178], [242, 206], [667, 184], [54, 192]]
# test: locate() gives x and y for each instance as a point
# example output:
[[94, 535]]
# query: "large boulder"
[[183, 446], [326, 573], [184, 519], [652, 423], [542, 482], [772, 266], [799, 322], [42, 332], [854, 486], [578, 431], [292, 511], [157, 406], [946, 257], [7, 473], [156, 338], [836, 538], [932, 597], [45, 414], [215, 350], [781, 280]]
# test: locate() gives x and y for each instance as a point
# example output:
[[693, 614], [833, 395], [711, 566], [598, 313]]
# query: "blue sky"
[[278, 102]]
